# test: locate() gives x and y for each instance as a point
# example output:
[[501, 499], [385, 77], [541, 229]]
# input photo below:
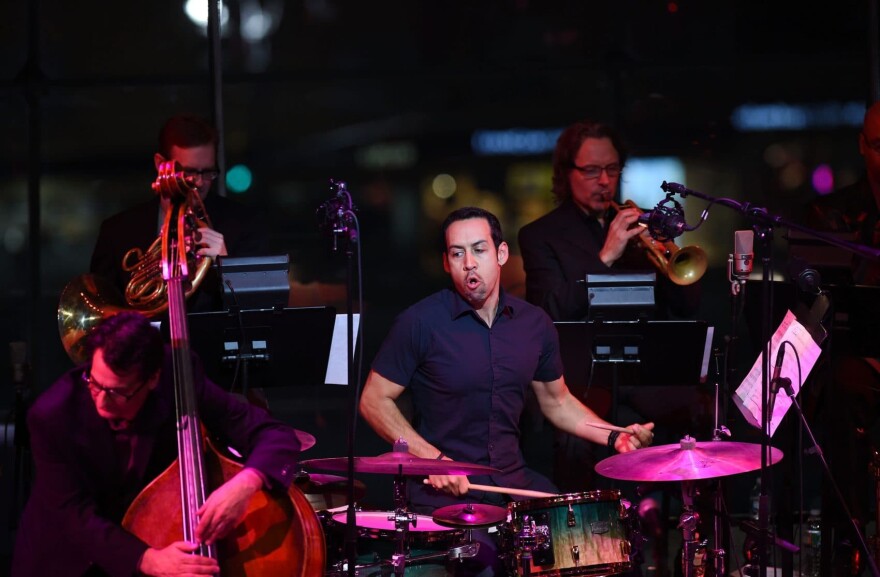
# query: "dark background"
[[84, 88]]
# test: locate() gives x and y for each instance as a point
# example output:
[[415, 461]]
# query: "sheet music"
[[748, 395], [337, 365]]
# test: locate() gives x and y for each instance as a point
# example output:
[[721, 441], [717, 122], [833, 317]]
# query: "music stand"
[[621, 296], [638, 352], [275, 347], [255, 282]]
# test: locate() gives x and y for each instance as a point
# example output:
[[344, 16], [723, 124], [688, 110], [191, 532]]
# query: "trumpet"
[[682, 266]]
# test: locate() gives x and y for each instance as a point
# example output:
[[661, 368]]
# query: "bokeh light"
[[443, 185], [823, 179], [239, 178]]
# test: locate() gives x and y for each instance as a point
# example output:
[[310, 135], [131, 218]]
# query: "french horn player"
[[124, 265]]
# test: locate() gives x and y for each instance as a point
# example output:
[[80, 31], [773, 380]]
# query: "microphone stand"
[[765, 234], [763, 223], [785, 383], [20, 463], [342, 223]]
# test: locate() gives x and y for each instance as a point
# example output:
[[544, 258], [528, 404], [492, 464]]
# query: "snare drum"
[[571, 534], [427, 545]]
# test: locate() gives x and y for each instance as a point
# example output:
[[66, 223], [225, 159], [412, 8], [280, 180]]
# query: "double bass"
[[280, 534]]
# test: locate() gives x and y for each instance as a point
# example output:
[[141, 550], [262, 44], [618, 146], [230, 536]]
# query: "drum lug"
[[576, 555], [571, 520], [624, 509]]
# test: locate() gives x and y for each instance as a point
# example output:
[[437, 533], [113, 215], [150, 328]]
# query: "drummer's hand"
[[226, 506], [453, 484], [210, 243], [643, 438], [175, 559], [620, 231]]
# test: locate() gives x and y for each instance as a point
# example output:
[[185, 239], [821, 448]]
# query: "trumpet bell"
[[688, 265]]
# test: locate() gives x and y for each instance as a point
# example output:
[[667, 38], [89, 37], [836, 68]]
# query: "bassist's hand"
[[226, 506], [176, 560]]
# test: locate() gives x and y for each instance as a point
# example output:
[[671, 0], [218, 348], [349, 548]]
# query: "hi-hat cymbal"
[[470, 515], [685, 461], [399, 463]]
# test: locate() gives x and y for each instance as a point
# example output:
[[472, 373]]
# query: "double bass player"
[[103, 431]]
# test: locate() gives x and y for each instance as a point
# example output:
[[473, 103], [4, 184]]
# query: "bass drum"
[[568, 535], [428, 544]]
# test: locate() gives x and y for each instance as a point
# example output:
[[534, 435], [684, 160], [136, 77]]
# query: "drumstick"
[[507, 490], [610, 427], [511, 491]]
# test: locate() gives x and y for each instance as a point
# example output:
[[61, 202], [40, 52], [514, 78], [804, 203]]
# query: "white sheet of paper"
[[748, 395], [337, 365]]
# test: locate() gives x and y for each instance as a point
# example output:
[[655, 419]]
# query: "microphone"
[[775, 379], [743, 253], [336, 216], [665, 222]]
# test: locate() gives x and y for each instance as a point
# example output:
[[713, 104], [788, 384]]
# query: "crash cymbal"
[[327, 491], [686, 460], [470, 515], [399, 463]]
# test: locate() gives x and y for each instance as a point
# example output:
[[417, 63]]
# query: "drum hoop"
[[597, 496], [437, 531]]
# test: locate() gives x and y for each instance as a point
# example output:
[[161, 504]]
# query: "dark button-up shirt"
[[469, 381]]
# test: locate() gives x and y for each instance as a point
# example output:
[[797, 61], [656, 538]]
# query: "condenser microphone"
[[743, 253]]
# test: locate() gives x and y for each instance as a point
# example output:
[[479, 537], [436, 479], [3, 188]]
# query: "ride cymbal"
[[686, 461], [399, 463]]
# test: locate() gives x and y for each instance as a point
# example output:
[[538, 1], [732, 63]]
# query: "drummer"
[[467, 355]]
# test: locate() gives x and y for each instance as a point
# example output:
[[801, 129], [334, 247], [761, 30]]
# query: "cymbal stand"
[[402, 519], [693, 551], [719, 554]]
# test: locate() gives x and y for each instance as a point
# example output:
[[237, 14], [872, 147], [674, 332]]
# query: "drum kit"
[[555, 535]]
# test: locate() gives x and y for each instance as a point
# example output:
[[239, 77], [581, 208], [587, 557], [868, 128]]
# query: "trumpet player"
[[235, 229], [588, 232]]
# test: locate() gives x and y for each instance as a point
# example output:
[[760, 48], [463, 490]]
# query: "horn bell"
[[86, 301]]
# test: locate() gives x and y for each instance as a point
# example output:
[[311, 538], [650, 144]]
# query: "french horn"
[[88, 299]]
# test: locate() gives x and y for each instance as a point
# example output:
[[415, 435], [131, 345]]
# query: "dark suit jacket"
[[137, 227], [851, 209], [562, 247], [71, 521]]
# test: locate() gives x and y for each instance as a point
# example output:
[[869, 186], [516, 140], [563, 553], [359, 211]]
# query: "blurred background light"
[[641, 179], [514, 141], [823, 179], [197, 11], [239, 178], [782, 116], [443, 185]]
